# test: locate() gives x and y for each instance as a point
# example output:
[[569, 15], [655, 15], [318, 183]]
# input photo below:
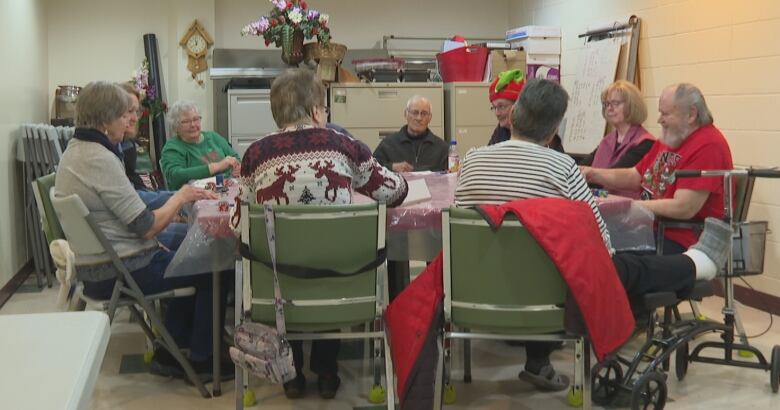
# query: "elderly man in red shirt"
[[689, 140]]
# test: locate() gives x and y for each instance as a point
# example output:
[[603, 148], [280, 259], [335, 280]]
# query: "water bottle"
[[453, 160]]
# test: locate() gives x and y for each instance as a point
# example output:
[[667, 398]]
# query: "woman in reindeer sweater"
[[306, 163]]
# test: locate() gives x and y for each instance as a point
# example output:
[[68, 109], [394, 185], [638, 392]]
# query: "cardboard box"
[[545, 72], [503, 60], [543, 59], [533, 31], [538, 45]]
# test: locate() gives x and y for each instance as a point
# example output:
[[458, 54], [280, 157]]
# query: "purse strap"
[[270, 234]]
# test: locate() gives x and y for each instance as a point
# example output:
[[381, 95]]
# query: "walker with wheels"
[[647, 386]]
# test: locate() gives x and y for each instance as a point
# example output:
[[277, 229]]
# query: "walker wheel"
[[681, 360], [606, 378], [249, 398], [449, 394], [774, 373], [649, 392], [377, 394], [575, 397]]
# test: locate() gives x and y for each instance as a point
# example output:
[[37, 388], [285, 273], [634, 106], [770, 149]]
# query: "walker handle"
[[765, 173], [687, 173]]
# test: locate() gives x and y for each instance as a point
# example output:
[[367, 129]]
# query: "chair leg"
[[586, 393], [389, 377], [166, 339], [142, 322], [438, 389], [467, 360]]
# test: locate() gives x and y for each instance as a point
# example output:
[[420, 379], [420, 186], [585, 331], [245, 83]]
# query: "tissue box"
[[544, 72]]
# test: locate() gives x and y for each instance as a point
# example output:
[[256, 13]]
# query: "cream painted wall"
[[729, 49], [103, 40], [22, 100], [361, 24]]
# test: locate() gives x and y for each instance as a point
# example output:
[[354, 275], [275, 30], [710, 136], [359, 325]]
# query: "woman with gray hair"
[[92, 169], [192, 153], [305, 163]]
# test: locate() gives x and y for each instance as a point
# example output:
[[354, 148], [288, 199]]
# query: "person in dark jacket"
[[414, 147], [503, 93]]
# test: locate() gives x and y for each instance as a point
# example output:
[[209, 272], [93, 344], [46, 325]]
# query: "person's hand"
[[188, 193], [587, 172], [225, 163], [402, 167], [237, 170]]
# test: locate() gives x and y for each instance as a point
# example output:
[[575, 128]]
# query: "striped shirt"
[[518, 170]]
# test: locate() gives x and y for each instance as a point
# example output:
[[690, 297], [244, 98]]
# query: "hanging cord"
[[771, 316]]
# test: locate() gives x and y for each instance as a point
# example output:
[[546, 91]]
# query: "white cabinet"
[[249, 117], [372, 111], [468, 118]]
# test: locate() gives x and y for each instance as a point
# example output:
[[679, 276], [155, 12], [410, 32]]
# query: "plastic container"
[[378, 64], [463, 64], [453, 159]]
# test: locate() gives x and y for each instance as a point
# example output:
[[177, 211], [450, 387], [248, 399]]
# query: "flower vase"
[[292, 46], [143, 135]]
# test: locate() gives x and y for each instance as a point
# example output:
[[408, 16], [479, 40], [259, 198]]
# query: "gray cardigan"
[[98, 177]]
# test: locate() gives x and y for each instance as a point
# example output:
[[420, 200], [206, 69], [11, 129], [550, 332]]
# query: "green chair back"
[[42, 187], [342, 238], [502, 281]]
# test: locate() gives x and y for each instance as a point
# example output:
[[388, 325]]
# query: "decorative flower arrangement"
[[286, 17], [151, 106]]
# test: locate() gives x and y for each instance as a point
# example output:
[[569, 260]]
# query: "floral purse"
[[261, 349]]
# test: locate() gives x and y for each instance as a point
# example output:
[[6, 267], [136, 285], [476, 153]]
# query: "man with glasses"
[[503, 93], [414, 147]]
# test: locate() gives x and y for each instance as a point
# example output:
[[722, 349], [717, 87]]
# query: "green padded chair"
[[501, 285], [342, 238], [51, 225]]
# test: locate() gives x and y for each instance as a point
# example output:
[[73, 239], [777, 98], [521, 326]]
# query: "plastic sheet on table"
[[210, 245], [630, 224], [425, 215]]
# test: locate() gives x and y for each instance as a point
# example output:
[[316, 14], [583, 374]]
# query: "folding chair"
[[501, 286], [339, 239], [86, 238]]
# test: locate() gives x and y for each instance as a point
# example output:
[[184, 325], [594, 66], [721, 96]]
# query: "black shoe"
[[164, 364], [295, 388], [328, 384]]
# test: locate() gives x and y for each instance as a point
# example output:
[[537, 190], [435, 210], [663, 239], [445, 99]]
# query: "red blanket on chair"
[[568, 232]]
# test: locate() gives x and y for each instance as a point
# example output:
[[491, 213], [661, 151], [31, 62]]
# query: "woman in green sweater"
[[192, 153]]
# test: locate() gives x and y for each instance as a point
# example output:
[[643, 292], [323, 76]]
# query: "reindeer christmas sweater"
[[316, 166]]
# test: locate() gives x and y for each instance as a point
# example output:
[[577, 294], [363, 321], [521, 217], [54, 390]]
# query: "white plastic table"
[[51, 360]]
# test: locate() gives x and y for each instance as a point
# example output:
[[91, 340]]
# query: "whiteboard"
[[583, 126]]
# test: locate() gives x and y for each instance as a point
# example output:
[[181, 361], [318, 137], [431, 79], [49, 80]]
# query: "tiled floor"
[[495, 384]]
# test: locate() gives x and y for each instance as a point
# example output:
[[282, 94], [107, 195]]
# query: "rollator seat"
[[701, 289]]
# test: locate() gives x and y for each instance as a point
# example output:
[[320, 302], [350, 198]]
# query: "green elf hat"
[[507, 85]]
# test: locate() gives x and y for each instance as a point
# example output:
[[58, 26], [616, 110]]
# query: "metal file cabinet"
[[249, 117], [467, 117], [373, 111]]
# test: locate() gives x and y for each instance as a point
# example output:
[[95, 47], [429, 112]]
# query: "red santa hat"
[[507, 85]]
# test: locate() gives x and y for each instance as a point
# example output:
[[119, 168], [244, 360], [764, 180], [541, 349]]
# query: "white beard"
[[675, 139]]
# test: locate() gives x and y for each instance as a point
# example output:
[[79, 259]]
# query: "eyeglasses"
[[418, 113], [500, 107], [613, 103], [191, 121]]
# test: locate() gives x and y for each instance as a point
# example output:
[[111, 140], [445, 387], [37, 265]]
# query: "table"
[[51, 360], [413, 233]]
